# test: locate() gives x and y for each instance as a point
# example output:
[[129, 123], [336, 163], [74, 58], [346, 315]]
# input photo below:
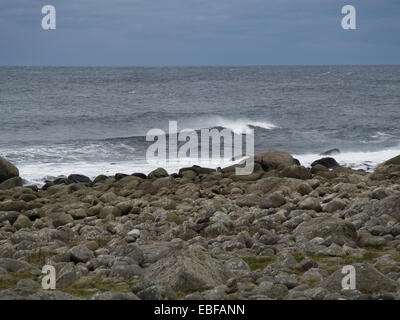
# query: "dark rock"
[[139, 175], [368, 280], [7, 170], [326, 162], [78, 178], [119, 176], [336, 230]]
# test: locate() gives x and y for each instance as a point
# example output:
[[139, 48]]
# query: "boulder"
[[393, 161], [158, 173], [310, 203], [389, 205], [336, 230], [248, 200], [11, 183], [304, 189], [189, 270], [80, 254], [12, 265], [10, 205], [7, 170], [274, 160], [334, 205], [60, 218], [197, 169], [139, 175], [119, 176], [10, 216], [22, 222], [274, 200], [296, 172], [326, 162], [79, 178], [368, 280]]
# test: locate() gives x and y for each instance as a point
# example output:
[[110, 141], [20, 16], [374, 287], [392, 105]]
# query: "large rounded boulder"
[[274, 160], [336, 230], [7, 170]]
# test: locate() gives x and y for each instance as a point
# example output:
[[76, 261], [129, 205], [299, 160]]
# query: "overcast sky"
[[199, 32]]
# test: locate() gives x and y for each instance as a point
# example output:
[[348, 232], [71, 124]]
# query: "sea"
[[56, 121]]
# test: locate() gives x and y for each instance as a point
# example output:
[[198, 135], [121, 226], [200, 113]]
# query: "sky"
[[198, 32]]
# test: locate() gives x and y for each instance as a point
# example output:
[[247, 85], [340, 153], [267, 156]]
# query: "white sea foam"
[[356, 160], [243, 124], [38, 173]]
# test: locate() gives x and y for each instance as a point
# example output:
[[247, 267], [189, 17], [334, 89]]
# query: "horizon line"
[[201, 66]]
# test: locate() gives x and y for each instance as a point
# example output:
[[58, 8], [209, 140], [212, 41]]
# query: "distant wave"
[[243, 124]]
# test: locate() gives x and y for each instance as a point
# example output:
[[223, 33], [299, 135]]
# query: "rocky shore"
[[284, 232]]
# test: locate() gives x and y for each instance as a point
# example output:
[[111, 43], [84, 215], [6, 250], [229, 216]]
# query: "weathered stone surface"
[[274, 160], [274, 200], [296, 172], [22, 222], [368, 280], [336, 230], [11, 183], [189, 270], [81, 254], [158, 173]]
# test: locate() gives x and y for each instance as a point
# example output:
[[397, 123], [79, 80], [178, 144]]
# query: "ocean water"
[[58, 121]]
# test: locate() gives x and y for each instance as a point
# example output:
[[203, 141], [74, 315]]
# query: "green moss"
[[259, 263]]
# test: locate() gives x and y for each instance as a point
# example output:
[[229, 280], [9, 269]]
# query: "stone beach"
[[283, 232]]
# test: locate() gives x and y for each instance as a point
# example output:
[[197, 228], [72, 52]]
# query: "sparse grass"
[[86, 288], [299, 256], [183, 294], [259, 263], [79, 292], [7, 284], [15, 277], [40, 257]]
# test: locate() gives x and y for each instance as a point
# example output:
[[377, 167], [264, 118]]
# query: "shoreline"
[[283, 232]]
